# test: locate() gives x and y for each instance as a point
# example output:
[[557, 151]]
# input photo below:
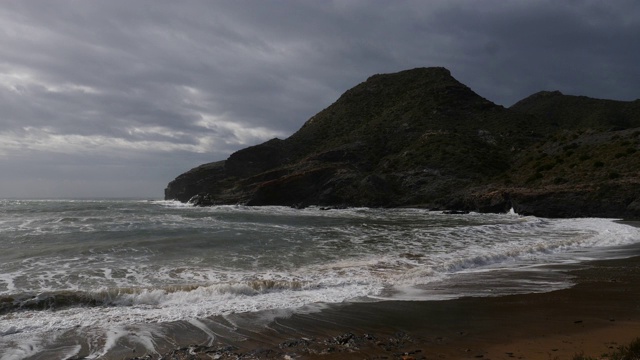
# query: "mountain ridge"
[[421, 138]]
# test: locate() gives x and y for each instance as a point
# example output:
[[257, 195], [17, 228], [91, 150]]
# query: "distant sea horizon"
[[83, 198]]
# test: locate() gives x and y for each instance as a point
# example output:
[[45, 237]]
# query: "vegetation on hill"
[[421, 138], [629, 352]]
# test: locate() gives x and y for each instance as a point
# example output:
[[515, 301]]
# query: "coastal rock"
[[202, 199], [634, 207], [421, 138], [195, 181]]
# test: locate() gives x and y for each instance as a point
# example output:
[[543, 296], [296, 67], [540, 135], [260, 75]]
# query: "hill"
[[421, 138]]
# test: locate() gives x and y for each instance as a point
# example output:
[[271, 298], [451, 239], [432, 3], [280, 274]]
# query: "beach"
[[596, 316]]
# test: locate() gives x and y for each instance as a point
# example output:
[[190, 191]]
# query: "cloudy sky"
[[115, 98]]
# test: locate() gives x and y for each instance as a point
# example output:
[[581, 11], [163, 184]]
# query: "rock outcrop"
[[421, 138]]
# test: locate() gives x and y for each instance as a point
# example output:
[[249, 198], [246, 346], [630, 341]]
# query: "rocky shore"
[[345, 345], [420, 138]]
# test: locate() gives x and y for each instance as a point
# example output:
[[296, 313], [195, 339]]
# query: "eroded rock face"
[[197, 180], [421, 138]]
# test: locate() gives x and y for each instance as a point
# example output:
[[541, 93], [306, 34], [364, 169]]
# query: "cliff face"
[[421, 138]]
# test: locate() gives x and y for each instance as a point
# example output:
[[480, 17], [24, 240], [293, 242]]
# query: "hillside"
[[421, 138]]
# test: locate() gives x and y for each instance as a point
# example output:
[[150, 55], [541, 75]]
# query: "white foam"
[[162, 306], [20, 350], [70, 352], [605, 232], [112, 335], [205, 329], [172, 204], [7, 284]]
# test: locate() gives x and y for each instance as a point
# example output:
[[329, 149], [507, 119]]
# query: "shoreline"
[[597, 315]]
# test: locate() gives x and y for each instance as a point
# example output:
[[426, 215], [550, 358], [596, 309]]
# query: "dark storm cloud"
[[578, 47], [157, 87]]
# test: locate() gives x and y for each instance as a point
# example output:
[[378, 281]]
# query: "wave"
[[370, 257], [170, 203], [58, 300]]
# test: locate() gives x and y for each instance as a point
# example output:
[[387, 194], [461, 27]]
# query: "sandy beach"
[[594, 317]]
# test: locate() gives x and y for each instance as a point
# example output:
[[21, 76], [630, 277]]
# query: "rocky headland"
[[420, 138]]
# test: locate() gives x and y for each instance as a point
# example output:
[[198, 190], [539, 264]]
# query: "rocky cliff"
[[421, 138]]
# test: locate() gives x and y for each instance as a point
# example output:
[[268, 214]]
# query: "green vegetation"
[[629, 352]]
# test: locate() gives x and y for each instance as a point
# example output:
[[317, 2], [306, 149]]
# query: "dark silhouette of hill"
[[580, 112], [421, 138]]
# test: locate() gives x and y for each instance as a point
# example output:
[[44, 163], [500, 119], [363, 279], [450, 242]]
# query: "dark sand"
[[598, 314]]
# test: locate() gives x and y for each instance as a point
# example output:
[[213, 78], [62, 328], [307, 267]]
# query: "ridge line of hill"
[[421, 138]]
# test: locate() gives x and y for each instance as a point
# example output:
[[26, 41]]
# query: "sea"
[[95, 279]]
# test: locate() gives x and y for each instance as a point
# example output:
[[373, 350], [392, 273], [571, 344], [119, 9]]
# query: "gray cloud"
[[115, 98]]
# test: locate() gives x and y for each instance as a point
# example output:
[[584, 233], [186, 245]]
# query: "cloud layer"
[[116, 98]]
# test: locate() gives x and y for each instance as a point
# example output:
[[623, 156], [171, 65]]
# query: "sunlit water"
[[82, 278]]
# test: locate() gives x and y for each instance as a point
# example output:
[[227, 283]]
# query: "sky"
[[115, 98]]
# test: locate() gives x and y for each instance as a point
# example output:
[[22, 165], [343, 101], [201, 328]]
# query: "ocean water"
[[95, 278]]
